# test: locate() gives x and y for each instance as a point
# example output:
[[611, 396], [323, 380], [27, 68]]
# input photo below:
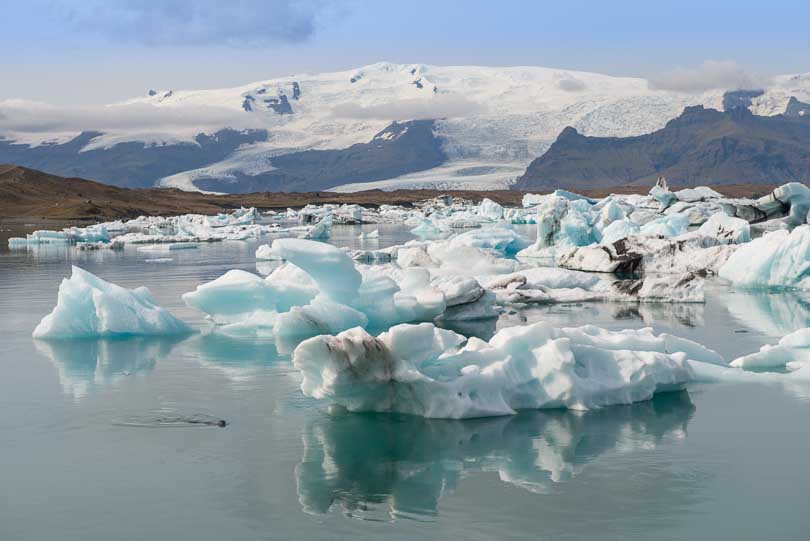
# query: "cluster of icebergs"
[[368, 328]]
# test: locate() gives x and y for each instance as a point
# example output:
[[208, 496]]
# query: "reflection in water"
[[773, 313], [239, 358], [376, 465], [675, 314], [88, 363]]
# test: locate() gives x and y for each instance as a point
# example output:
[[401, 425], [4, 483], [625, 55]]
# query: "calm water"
[[93, 443]]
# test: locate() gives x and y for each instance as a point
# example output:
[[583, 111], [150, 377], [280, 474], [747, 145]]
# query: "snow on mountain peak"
[[486, 116]]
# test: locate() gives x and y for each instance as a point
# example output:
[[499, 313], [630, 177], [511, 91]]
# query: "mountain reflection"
[[89, 363], [383, 464]]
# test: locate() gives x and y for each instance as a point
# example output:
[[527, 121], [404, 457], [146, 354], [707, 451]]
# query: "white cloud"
[[710, 75], [437, 106], [22, 116]]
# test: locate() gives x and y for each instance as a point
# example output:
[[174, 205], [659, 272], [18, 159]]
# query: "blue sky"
[[82, 52]]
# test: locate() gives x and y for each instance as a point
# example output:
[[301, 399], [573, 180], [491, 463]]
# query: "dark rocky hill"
[[701, 146]]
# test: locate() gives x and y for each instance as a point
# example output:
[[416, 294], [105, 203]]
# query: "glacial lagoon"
[[120, 438]]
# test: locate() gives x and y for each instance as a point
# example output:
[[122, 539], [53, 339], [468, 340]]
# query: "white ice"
[[431, 372], [87, 306], [779, 258]]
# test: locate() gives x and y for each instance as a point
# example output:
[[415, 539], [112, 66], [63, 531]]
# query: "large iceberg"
[[432, 372], [87, 306]]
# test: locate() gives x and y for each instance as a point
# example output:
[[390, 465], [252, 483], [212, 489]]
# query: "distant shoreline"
[[30, 195]]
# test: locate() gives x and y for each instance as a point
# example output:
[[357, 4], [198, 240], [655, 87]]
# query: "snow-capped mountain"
[[488, 124]]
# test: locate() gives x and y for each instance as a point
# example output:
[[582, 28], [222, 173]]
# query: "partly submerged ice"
[[778, 258], [87, 306], [432, 372]]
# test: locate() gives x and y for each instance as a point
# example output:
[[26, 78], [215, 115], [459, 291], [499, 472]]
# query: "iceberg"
[[777, 259], [642, 254], [502, 240], [370, 235], [431, 372], [490, 210], [264, 253], [239, 294], [321, 230], [792, 350], [87, 306], [329, 266]]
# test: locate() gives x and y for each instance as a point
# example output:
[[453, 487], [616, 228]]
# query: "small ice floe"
[[169, 247], [369, 236]]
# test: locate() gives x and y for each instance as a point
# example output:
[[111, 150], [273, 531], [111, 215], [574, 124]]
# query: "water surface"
[[118, 439]]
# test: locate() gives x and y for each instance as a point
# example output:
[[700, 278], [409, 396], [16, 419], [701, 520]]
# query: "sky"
[[87, 52]]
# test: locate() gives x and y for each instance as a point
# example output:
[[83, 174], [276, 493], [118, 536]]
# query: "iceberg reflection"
[[85, 364], [373, 466], [238, 358], [773, 313]]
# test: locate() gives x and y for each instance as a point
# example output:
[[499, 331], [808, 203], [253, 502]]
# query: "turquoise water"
[[118, 440]]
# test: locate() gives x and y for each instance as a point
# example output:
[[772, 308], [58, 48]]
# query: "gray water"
[[119, 440]]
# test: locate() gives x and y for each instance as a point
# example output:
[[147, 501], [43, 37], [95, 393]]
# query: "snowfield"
[[492, 121]]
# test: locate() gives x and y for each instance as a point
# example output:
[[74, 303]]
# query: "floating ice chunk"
[[458, 289], [330, 267], [499, 239], [699, 193], [70, 235], [667, 226], [793, 348], [561, 224], [422, 370], [662, 194], [371, 235], [778, 258], [238, 294], [168, 247], [726, 228], [552, 285], [87, 306], [265, 253], [687, 253], [490, 210], [427, 228], [618, 230], [388, 298], [321, 316], [321, 230]]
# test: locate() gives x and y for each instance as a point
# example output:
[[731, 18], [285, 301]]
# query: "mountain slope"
[[490, 122], [700, 146]]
